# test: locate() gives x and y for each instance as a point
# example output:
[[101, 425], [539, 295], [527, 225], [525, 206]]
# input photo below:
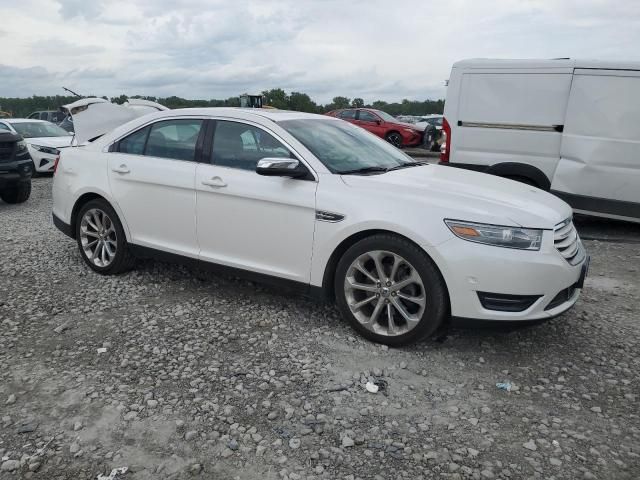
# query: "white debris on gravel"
[[206, 376]]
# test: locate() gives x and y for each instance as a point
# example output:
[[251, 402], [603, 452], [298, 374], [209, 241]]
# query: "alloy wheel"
[[385, 293], [98, 237]]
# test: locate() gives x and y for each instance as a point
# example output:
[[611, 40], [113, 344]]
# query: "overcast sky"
[[373, 49]]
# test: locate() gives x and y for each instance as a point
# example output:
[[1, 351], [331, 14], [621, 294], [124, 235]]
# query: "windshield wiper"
[[408, 165], [364, 170]]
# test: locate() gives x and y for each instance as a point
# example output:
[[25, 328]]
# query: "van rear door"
[[599, 169]]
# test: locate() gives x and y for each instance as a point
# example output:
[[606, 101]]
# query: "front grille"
[[6, 150], [567, 241]]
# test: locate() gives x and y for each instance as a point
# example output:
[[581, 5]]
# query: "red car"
[[383, 125]]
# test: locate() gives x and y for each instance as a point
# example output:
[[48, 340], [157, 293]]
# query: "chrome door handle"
[[121, 169], [216, 182]]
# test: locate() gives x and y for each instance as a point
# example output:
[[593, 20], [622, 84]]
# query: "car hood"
[[467, 195], [93, 117], [56, 142]]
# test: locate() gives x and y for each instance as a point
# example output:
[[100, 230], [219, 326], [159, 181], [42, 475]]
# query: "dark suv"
[[16, 168]]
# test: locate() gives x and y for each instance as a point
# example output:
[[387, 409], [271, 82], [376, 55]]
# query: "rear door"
[[599, 170], [349, 115], [152, 175]]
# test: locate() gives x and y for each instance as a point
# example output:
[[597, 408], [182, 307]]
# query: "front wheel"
[[17, 193], [394, 138], [101, 239], [390, 291]]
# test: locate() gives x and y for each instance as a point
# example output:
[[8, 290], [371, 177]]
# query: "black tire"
[[394, 138], [18, 193], [435, 290], [123, 259]]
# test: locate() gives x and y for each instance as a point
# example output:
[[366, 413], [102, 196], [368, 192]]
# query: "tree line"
[[276, 97]]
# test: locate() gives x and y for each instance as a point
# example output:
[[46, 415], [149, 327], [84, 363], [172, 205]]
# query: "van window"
[[605, 106], [536, 99]]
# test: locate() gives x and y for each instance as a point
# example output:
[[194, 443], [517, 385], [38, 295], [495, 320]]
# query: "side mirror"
[[281, 167]]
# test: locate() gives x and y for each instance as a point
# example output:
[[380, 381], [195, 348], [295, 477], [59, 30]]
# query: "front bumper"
[[475, 272], [43, 162], [15, 171], [412, 139]]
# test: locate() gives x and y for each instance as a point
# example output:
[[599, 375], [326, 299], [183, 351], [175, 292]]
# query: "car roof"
[[246, 113]]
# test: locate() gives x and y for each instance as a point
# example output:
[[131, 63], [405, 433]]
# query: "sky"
[[388, 50]]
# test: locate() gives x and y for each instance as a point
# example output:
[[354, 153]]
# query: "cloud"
[[364, 48]]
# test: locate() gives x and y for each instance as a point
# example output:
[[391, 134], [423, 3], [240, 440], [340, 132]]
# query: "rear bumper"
[[62, 226]]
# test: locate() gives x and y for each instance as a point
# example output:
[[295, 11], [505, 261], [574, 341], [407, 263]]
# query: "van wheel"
[[390, 291], [394, 138], [101, 239]]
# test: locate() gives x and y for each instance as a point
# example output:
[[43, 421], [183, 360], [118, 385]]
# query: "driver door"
[[371, 122]]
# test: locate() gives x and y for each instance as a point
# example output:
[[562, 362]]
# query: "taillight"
[[55, 164], [445, 150]]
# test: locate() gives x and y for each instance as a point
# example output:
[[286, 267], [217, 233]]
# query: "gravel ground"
[[176, 373]]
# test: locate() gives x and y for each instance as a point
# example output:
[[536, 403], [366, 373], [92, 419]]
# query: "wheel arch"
[[328, 278], [516, 169], [83, 200]]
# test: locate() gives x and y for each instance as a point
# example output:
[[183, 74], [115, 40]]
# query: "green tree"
[[301, 102], [341, 102], [357, 103], [277, 98]]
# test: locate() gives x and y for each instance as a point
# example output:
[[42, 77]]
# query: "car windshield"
[[343, 147], [386, 117], [39, 129]]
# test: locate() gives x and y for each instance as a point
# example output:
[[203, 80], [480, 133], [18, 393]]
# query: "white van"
[[568, 126]]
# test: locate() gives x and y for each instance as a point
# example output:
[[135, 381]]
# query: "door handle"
[[121, 169], [215, 182]]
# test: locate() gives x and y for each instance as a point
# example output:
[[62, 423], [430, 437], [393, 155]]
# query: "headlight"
[[21, 146], [49, 150], [496, 235]]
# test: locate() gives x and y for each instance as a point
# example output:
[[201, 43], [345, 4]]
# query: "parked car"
[[435, 120], [533, 121], [15, 168], [53, 116], [44, 140], [310, 202], [383, 125]]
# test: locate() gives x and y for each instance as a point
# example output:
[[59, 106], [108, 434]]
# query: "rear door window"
[[134, 143], [347, 114], [174, 139]]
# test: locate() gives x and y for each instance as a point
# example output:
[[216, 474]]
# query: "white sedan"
[[44, 140], [312, 202]]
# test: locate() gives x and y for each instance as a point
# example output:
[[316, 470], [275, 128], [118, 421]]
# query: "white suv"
[[313, 202]]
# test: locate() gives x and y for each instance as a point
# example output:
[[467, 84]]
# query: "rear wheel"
[[390, 290], [18, 193], [101, 239], [394, 138]]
